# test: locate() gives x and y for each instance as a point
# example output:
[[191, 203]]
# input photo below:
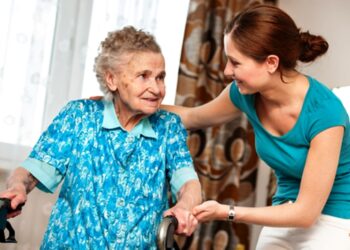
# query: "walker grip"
[[166, 231], [5, 208]]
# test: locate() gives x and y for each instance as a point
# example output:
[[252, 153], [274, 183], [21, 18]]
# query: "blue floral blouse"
[[115, 182]]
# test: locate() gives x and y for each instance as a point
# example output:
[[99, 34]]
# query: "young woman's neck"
[[292, 89]]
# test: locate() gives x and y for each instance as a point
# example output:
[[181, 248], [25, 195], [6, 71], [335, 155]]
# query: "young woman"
[[301, 130]]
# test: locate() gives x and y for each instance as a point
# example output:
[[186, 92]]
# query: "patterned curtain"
[[224, 156]]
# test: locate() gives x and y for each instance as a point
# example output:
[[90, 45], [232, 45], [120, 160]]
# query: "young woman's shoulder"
[[323, 109], [321, 98]]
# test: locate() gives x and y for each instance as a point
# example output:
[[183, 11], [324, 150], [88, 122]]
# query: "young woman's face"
[[249, 75], [139, 83]]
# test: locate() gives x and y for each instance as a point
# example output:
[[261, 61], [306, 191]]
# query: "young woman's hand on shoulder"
[[218, 111]]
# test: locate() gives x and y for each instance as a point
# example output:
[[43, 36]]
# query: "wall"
[[331, 19]]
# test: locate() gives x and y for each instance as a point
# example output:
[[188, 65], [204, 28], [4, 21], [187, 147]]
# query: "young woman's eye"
[[234, 63]]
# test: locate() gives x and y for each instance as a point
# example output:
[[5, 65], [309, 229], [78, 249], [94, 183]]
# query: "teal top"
[[286, 154], [114, 182]]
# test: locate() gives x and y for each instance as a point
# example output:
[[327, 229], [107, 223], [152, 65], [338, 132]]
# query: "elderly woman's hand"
[[17, 195], [187, 222]]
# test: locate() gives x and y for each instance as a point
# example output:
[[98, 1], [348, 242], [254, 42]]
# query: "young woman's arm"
[[218, 111], [316, 184]]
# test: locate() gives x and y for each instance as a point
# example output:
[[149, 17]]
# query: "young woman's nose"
[[229, 71]]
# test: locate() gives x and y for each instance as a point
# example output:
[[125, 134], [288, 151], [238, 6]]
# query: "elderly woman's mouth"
[[152, 100]]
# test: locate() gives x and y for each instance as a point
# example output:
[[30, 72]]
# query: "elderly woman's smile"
[[138, 85]]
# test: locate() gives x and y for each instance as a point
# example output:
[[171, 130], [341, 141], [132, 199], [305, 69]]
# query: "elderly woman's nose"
[[154, 85]]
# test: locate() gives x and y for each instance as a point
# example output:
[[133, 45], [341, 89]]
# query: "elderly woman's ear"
[[111, 84]]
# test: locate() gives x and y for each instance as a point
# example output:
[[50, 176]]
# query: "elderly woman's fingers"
[[194, 224], [187, 224]]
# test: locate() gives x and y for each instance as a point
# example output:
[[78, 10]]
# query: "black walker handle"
[[166, 231], [5, 208]]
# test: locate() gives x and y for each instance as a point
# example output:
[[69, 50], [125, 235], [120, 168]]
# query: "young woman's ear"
[[110, 81], [272, 62]]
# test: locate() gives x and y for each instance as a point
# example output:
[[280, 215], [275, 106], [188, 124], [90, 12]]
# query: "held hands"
[[207, 211], [210, 210], [187, 222]]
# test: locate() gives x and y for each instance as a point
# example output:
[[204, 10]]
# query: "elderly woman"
[[115, 156]]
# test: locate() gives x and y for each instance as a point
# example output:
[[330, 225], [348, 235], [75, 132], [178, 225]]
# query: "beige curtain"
[[224, 156]]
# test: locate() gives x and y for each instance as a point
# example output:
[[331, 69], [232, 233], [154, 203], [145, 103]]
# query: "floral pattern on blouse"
[[115, 183]]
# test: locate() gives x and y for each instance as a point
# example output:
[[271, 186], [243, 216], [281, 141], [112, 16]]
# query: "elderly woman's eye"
[[143, 76], [161, 77]]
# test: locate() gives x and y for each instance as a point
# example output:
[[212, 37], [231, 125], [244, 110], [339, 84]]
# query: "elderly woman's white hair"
[[117, 44]]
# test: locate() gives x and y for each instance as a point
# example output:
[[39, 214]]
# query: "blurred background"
[[47, 51]]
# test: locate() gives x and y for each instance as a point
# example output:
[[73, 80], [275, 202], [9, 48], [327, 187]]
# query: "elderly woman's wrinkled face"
[[139, 83]]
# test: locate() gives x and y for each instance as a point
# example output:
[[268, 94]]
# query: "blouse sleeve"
[[179, 161], [52, 153]]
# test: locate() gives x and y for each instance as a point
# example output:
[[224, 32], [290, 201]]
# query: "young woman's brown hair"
[[264, 30]]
